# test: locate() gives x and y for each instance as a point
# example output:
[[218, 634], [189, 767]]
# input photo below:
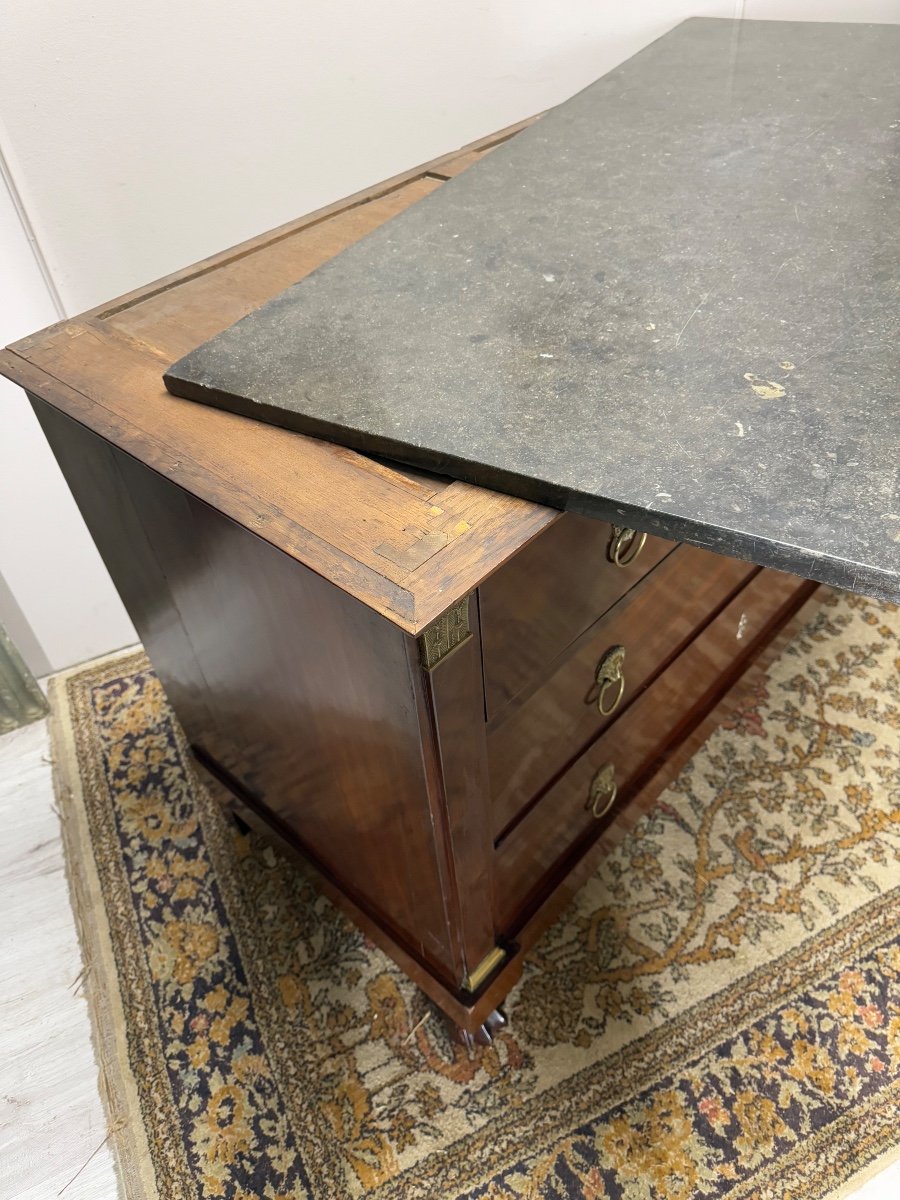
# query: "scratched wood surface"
[[403, 542]]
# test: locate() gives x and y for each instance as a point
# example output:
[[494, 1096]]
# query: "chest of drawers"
[[448, 702]]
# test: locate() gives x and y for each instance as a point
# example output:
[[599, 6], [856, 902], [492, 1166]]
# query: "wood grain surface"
[[400, 541], [546, 845], [526, 627], [652, 623], [310, 702]]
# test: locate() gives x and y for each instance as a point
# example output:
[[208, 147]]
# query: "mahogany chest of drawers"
[[448, 701]]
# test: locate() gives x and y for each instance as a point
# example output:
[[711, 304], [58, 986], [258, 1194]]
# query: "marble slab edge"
[[797, 560]]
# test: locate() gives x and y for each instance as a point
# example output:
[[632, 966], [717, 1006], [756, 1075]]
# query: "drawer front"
[[545, 597], [544, 845], [649, 626]]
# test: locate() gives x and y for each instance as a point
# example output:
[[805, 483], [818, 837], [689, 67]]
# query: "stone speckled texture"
[[671, 303]]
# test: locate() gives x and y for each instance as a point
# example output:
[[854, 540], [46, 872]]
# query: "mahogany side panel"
[[300, 693]]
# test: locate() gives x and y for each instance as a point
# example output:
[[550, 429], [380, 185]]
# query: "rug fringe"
[[133, 1167], [115, 1128]]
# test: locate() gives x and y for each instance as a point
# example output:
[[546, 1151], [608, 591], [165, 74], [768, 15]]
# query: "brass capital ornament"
[[448, 632]]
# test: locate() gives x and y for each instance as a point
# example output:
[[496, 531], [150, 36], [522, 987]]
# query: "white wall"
[[55, 583], [147, 135], [142, 137]]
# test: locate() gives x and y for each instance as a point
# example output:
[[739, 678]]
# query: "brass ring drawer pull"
[[625, 546], [604, 790], [610, 674]]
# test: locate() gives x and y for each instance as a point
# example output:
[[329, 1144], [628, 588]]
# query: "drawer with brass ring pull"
[[589, 794], [603, 793], [554, 589], [625, 545], [535, 739], [610, 680]]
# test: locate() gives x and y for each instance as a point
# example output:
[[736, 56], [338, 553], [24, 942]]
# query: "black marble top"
[[672, 303]]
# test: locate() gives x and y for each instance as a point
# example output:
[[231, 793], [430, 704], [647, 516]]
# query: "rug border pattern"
[[667, 1048]]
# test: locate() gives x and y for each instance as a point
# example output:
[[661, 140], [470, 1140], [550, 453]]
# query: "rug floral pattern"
[[718, 1013]]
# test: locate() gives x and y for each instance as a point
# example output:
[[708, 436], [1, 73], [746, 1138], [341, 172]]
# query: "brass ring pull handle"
[[610, 674], [604, 790], [625, 546]]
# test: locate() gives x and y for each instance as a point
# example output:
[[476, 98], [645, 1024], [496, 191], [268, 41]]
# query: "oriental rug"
[[717, 1014]]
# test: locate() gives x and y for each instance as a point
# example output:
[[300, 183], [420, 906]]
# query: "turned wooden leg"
[[484, 1034]]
